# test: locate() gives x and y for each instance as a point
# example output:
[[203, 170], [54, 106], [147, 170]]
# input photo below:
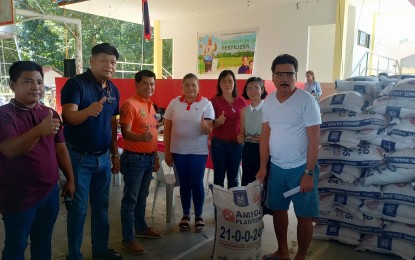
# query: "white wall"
[[363, 20], [281, 29], [321, 51]]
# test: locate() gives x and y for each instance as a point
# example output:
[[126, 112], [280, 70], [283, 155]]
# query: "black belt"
[[137, 153], [78, 150]]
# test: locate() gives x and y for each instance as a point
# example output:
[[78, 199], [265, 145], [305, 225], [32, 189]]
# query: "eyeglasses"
[[280, 75]]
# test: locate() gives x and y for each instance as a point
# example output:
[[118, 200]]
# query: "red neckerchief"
[[183, 99]]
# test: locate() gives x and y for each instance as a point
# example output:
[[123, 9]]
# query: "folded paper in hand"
[[291, 192]]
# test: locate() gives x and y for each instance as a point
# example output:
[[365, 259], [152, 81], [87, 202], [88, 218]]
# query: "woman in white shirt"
[[187, 124]]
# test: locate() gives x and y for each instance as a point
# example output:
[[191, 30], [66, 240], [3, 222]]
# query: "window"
[[363, 39]]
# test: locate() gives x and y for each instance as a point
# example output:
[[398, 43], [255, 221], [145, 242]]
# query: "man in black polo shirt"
[[90, 103]]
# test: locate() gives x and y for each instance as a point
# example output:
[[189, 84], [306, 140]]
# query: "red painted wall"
[[166, 89]]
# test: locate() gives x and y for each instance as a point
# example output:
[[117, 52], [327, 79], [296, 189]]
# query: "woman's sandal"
[[199, 225], [184, 223]]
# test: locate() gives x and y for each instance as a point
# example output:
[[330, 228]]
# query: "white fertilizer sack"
[[403, 193], [400, 231], [356, 189], [239, 222], [362, 78], [402, 158], [380, 244], [325, 171], [389, 211], [338, 233], [346, 173], [349, 204], [404, 88], [387, 174], [340, 218], [345, 138], [390, 143], [393, 106], [385, 82], [368, 155], [404, 127], [368, 88], [348, 120], [349, 100]]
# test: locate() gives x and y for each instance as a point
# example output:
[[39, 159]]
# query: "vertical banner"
[[232, 50], [146, 20], [6, 12]]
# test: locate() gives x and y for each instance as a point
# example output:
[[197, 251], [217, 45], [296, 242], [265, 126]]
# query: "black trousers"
[[250, 167]]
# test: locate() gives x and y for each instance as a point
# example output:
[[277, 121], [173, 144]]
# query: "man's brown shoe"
[[149, 233], [133, 247]]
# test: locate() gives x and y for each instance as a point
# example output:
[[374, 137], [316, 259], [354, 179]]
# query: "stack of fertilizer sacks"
[[367, 166]]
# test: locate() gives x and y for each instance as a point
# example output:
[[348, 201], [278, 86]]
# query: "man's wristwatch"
[[115, 155], [309, 172]]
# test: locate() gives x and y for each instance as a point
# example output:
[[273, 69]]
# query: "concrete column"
[[372, 45], [158, 51], [340, 39]]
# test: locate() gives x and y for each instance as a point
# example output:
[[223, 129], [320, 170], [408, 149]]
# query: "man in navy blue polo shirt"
[[90, 104]]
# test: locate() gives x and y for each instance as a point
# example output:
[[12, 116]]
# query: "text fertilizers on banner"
[[232, 50]]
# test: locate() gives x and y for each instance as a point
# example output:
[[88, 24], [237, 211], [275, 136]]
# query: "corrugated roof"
[[395, 51]]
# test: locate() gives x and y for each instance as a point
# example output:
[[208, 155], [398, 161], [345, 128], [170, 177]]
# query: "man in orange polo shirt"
[[139, 130]]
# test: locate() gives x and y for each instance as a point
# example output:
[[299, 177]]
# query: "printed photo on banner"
[[6, 13], [233, 50]]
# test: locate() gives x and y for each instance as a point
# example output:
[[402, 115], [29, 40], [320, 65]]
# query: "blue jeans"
[[137, 171], [92, 178], [38, 222], [226, 158], [191, 170]]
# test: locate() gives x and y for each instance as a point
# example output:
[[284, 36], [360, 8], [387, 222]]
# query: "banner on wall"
[[6, 12], [231, 50]]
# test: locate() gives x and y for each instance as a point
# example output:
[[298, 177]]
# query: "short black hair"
[[105, 48], [19, 66], [191, 76], [221, 76], [144, 73], [285, 59], [261, 84]]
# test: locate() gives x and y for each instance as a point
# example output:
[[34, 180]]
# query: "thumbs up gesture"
[[95, 108], [147, 136], [221, 119], [204, 125], [49, 125]]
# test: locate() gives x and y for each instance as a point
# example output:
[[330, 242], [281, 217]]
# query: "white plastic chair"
[[165, 177], [160, 136], [117, 178]]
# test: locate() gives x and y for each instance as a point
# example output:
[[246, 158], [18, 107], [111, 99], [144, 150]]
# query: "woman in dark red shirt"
[[226, 151]]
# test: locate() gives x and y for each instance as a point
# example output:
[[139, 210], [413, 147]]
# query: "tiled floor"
[[176, 245]]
